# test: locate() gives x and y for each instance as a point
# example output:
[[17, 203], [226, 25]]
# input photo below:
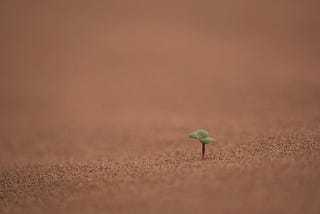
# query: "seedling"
[[204, 139]]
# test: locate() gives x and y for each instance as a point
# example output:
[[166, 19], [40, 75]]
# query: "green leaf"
[[207, 140], [193, 135], [200, 133]]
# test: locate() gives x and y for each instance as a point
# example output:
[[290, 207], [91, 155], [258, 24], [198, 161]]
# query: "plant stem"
[[203, 150]]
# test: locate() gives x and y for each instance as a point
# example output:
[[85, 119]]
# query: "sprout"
[[203, 137]]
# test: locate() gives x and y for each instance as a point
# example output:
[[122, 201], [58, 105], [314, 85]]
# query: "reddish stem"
[[203, 150]]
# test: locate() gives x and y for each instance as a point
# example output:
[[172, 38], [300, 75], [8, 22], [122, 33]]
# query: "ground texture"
[[97, 100]]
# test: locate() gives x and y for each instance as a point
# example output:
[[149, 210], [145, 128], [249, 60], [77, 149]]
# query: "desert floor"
[[97, 99]]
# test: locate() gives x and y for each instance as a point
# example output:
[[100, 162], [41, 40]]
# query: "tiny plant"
[[203, 137]]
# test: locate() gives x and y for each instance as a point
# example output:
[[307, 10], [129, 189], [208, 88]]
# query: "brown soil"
[[97, 100]]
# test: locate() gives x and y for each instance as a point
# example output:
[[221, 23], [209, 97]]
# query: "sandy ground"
[[97, 100]]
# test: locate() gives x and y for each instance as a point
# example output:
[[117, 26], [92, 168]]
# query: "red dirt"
[[97, 100]]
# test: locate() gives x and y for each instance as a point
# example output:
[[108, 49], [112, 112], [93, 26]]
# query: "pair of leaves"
[[202, 136]]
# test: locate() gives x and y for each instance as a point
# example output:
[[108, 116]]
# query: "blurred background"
[[104, 68]]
